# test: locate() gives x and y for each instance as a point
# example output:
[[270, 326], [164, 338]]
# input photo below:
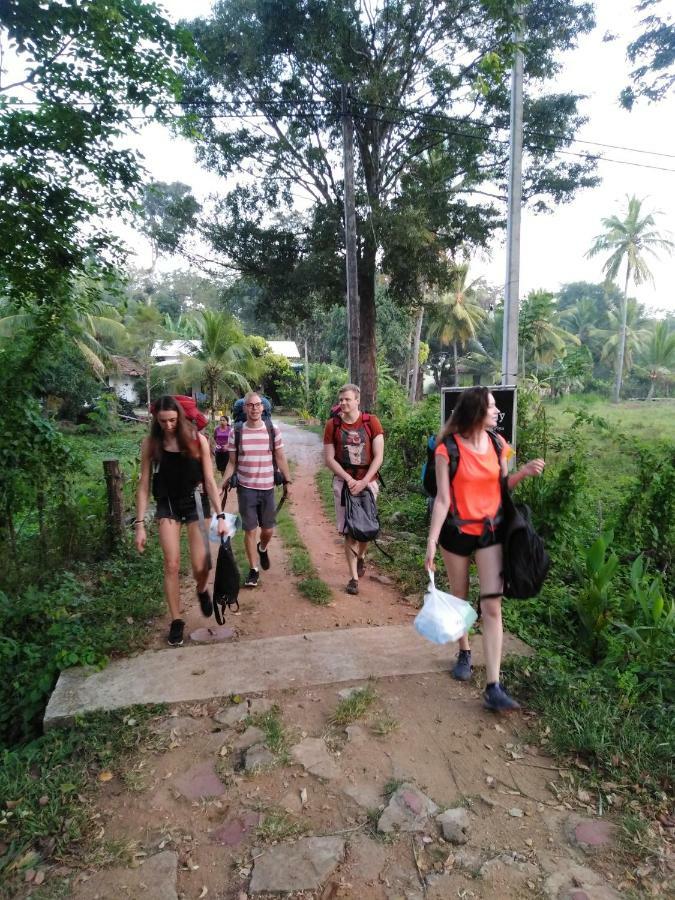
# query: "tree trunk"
[[409, 358], [652, 388], [113, 481], [455, 363], [367, 348], [147, 386], [621, 349], [306, 373], [415, 368]]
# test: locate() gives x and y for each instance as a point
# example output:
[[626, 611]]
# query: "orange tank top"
[[476, 486]]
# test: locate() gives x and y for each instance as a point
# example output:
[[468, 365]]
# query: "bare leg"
[[351, 550], [266, 535], [169, 540], [457, 568], [251, 546], [200, 568], [489, 565]]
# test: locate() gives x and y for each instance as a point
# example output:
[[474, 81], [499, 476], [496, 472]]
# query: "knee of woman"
[[491, 609], [172, 567]]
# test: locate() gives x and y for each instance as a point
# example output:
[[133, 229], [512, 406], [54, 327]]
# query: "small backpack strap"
[[237, 438]]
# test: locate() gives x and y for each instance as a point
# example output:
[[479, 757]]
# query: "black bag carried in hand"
[[226, 581], [361, 520], [526, 562]]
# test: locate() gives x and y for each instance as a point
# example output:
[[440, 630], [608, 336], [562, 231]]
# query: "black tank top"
[[177, 476]]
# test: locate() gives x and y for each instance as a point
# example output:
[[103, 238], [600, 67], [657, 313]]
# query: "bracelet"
[[220, 515], [138, 522]]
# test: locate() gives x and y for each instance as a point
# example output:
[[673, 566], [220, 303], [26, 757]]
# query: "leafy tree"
[[455, 317], [654, 51], [657, 356], [146, 325], [539, 331], [86, 67], [628, 241], [430, 87], [634, 335], [168, 212], [224, 363]]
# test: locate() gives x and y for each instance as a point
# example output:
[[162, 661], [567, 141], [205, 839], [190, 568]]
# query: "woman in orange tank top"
[[466, 520]]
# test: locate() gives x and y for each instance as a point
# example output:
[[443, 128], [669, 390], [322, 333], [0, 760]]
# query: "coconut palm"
[[540, 332], [94, 330], [635, 335], [484, 357], [456, 315], [224, 363], [657, 358], [628, 241]]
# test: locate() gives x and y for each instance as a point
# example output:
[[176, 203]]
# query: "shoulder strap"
[[237, 438], [270, 432], [365, 418], [451, 446]]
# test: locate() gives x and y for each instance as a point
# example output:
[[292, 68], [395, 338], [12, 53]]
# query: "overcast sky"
[[553, 246]]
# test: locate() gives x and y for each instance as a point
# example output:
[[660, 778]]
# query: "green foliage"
[[654, 51], [65, 170], [406, 438], [73, 621], [47, 780], [593, 600], [168, 213]]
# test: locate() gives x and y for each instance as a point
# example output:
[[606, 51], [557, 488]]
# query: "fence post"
[[113, 482]]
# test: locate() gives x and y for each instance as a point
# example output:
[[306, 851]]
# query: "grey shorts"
[[256, 508], [373, 487]]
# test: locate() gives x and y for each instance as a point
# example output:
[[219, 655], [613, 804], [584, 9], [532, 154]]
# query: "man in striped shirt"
[[251, 456]]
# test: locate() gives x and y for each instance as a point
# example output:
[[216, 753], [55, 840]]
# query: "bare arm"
[[210, 481], [530, 470], [282, 464], [440, 510], [142, 495], [335, 467], [373, 468]]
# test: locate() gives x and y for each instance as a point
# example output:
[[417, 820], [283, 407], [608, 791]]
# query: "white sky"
[[553, 246]]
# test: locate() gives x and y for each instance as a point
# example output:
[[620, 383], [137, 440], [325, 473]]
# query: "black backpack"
[[361, 519], [526, 562], [429, 468], [225, 582]]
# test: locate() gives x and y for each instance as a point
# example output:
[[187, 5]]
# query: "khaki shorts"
[[373, 487]]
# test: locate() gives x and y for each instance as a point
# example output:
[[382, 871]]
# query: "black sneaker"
[[252, 578], [463, 668], [496, 699], [360, 566], [352, 586], [205, 603], [264, 557], [176, 633]]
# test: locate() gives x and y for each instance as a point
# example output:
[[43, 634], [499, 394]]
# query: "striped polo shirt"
[[254, 464]]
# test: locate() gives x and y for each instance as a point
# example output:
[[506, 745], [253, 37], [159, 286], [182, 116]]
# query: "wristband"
[[220, 515], [138, 522]]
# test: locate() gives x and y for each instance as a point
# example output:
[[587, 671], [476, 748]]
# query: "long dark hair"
[[185, 431], [469, 413]]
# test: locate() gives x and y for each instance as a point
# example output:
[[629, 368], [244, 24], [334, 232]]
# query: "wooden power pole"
[[350, 239]]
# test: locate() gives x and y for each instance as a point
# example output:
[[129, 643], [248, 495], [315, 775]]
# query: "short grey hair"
[[247, 397], [354, 388]]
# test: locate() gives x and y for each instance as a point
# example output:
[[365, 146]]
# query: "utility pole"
[[350, 239], [515, 199]]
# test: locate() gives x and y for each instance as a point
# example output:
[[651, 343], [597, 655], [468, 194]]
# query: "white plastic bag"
[[443, 617], [232, 522]]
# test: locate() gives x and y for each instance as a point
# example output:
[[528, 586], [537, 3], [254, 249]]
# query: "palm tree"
[[628, 240], [457, 314], [484, 357], [658, 356], [634, 334], [539, 330], [93, 330], [224, 362]]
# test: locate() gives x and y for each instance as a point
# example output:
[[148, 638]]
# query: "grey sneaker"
[[264, 557], [463, 668], [496, 699]]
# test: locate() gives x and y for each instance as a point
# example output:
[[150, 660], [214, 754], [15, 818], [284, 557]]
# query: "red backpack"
[[191, 410]]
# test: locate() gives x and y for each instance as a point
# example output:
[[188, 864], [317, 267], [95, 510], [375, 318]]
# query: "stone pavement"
[[219, 670]]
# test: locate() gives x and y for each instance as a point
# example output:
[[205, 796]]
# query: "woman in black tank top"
[[176, 464]]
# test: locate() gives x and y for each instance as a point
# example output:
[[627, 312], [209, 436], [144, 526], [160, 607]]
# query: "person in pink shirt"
[[257, 462], [221, 435]]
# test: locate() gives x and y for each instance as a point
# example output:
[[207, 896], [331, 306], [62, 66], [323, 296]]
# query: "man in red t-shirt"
[[353, 448]]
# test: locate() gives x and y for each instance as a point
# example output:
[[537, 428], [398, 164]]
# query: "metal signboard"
[[505, 398]]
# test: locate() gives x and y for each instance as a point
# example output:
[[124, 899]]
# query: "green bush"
[[75, 621]]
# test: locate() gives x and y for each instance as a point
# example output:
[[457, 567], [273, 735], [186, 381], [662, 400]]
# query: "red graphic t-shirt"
[[353, 442]]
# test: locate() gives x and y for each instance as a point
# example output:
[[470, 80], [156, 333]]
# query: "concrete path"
[[201, 673]]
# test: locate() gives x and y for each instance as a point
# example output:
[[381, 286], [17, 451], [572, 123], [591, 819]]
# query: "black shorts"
[[182, 509], [455, 541], [222, 459]]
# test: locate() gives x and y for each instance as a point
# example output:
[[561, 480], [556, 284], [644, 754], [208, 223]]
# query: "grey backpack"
[[361, 520]]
